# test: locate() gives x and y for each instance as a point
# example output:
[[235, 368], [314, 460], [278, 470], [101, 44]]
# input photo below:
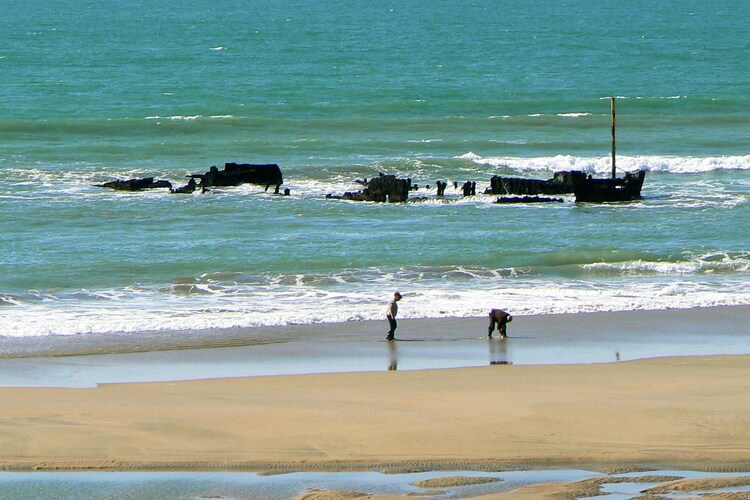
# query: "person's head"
[[396, 296], [510, 318]]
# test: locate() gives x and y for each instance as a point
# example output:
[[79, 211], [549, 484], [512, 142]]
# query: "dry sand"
[[678, 413]]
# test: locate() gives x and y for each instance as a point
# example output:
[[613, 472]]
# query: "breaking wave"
[[603, 164], [228, 300], [698, 264]]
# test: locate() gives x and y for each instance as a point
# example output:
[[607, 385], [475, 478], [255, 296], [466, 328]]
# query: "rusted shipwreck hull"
[[625, 188], [560, 183], [585, 188], [136, 184], [235, 174], [383, 188]]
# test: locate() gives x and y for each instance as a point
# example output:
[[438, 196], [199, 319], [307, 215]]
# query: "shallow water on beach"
[[239, 485], [422, 344], [335, 94], [199, 485]]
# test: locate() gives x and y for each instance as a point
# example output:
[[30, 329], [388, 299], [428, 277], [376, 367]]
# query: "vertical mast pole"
[[613, 138]]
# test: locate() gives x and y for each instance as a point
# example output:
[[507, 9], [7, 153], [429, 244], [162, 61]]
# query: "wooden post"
[[613, 138]]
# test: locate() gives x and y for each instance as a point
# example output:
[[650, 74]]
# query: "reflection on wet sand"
[[393, 359], [499, 352]]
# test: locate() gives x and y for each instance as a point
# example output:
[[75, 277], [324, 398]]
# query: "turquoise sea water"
[[94, 91]]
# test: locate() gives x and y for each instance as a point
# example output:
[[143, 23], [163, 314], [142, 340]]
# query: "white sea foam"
[[174, 117], [639, 97], [188, 117], [573, 115], [277, 310], [471, 156], [236, 300], [603, 164]]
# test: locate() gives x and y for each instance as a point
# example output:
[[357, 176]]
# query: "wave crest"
[[245, 300], [603, 164], [706, 263]]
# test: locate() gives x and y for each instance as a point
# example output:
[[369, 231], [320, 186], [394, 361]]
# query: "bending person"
[[501, 319]]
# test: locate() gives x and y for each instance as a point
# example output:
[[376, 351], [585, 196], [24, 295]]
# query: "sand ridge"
[[452, 481]]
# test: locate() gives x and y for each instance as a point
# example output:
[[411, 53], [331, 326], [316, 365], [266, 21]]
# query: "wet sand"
[[643, 487], [87, 360]]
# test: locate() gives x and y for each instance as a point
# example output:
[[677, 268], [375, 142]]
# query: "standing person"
[[501, 318], [391, 313]]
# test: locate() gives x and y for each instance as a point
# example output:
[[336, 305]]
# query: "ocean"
[[94, 91]]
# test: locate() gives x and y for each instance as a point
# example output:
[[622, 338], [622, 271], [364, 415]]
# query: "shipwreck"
[[626, 188], [136, 184], [585, 187], [235, 174], [560, 183], [383, 188]]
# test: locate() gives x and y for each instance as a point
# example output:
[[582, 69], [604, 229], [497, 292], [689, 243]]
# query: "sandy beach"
[[686, 412]]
